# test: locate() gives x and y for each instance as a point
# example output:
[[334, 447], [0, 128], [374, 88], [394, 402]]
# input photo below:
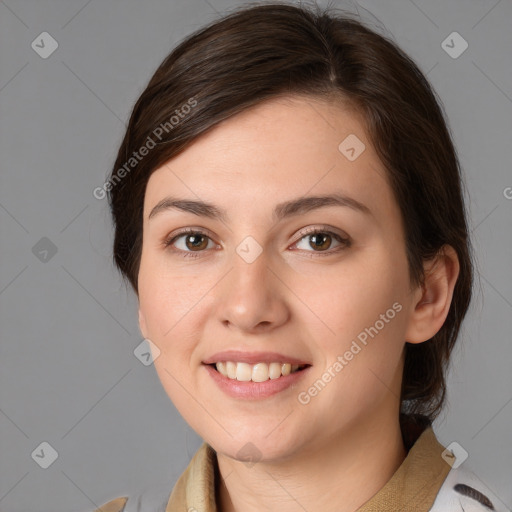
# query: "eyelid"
[[321, 229]]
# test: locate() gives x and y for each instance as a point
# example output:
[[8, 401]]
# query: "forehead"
[[282, 148]]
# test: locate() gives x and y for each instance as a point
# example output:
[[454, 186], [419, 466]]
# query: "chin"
[[251, 449]]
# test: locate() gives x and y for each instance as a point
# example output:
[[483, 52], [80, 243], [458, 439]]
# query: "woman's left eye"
[[195, 242], [320, 238]]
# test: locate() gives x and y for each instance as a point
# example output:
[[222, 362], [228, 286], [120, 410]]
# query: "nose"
[[252, 297]]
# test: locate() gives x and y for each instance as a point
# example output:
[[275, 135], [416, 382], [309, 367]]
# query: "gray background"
[[69, 376]]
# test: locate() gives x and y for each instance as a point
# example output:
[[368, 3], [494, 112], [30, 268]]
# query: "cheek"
[[170, 304], [342, 301], [167, 298], [366, 308]]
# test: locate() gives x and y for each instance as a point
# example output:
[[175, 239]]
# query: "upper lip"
[[252, 357]]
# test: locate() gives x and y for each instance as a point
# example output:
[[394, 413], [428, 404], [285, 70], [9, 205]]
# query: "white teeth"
[[274, 370], [243, 372], [231, 370], [286, 369], [221, 368], [259, 372]]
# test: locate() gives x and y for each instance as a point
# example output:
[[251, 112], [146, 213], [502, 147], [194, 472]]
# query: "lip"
[[238, 356], [254, 390]]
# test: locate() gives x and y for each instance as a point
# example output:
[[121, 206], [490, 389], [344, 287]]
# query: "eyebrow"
[[290, 208]]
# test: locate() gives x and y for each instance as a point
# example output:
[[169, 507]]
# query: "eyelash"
[[167, 243]]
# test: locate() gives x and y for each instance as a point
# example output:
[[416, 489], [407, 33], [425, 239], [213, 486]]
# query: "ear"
[[142, 324], [433, 298]]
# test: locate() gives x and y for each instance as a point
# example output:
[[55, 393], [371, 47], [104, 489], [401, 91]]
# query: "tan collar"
[[413, 486]]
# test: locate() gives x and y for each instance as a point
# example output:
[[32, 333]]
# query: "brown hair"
[[263, 51]]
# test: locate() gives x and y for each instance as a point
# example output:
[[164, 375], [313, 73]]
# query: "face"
[[323, 283]]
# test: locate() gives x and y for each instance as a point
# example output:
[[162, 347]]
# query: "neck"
[[336, 474]]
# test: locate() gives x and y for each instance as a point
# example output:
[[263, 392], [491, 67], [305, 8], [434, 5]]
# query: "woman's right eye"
[[191, 241]]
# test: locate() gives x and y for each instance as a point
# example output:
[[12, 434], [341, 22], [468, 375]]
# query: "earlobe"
[[435, 296], [142, 324]]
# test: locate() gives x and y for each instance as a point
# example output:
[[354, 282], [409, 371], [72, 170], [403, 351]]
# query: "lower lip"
[[255, 390]]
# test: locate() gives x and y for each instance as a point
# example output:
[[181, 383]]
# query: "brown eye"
[[189, 241], [321, 241], [196, 241]]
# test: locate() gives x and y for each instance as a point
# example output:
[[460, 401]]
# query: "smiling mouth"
[[259, 372]]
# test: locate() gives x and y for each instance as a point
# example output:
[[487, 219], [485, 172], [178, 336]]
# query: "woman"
[[288, 209]]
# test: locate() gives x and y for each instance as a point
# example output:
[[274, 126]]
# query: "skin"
[[337, 451]]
